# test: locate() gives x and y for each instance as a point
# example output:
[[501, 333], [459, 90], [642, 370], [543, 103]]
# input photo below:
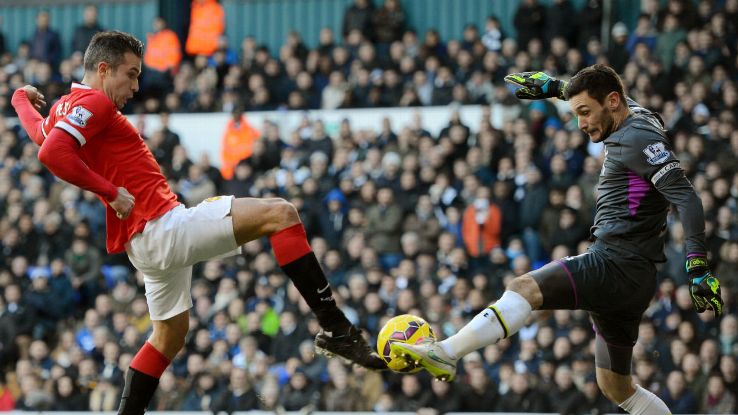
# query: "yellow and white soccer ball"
[[405, 328]]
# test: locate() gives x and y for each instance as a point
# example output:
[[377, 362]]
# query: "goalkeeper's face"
[[594, 118]]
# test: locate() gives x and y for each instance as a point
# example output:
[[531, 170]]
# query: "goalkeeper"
[[616, 279]]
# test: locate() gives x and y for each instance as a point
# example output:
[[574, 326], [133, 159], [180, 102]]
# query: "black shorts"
[[614, 285]]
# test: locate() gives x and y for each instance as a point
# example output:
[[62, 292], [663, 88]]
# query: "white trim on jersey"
[[43, 131], [80, 86], [73, 131]]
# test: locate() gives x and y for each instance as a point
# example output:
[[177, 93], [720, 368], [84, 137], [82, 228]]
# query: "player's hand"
[[123, 203], [537, 85], [37, 99], [704, 286]]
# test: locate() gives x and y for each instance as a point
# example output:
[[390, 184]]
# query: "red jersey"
[[112, 148]]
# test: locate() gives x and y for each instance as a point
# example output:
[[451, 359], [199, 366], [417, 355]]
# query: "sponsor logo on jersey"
[[79, 116], [656, 153]]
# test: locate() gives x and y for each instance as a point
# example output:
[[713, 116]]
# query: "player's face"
[[595, 119], [121, 83]]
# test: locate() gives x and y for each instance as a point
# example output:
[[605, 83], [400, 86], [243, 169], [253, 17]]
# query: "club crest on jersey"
[[79, 116], [656, 153]]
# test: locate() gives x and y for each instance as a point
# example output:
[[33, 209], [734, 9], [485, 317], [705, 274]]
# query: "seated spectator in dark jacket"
[[676, 395], [521, 397], [240, 395], [68, 396], [335, 220], [202, 394], [300, 393]]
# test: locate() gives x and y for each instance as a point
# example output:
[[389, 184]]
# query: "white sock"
[[485, 328], [643, 402]]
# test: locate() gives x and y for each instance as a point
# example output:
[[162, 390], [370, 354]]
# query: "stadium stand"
[[394, 216]]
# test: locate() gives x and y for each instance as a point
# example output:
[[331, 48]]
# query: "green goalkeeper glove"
[[704, 286], [537, 85]]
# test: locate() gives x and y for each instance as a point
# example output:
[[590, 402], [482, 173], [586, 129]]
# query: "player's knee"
[[528, 288], [284, 213], [169, 335]]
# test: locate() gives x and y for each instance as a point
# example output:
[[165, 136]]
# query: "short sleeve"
[[649, 155], [86, 117]]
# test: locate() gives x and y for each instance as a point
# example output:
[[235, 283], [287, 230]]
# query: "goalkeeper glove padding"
[[537, 85], [704, 286]]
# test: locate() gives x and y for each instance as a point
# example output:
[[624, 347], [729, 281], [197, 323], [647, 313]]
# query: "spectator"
[[335, 221], [44, 42], [162, 58], [593, 400], [358, 17], [168, 396], [481, 225], [299, 393], [18, 315], [334, 94], [590, 23], [529, 22], [7, 402], [240, 395], [564, 396], [643, 33], [557, 23], [389, 24], [340, 394], [3, 47], [618, 54], [237, 143], [493, 35], [667, 40], [203, 393], [383, 221], [207, 25], [679, 399], [717, 399], [412, 395], [83, 33], [33, 397], [521, 397]]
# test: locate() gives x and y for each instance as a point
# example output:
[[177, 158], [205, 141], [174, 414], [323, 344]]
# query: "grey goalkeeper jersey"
[[640, 178]]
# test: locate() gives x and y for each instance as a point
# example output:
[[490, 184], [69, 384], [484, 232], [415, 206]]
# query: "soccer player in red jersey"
[[87, 142]]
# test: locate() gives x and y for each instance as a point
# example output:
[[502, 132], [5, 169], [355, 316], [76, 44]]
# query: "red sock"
[[290, 244], [150, 361]]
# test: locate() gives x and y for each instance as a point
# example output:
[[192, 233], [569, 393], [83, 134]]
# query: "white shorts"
[[170, 244]]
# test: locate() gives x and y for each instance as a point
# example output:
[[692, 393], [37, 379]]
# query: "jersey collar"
[[80, 86]]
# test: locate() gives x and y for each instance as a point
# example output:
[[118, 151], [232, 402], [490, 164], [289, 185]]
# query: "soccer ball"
[[405, 328]]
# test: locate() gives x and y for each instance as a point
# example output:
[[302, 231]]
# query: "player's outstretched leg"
[[500, 320], [278, 219], [142, 377]]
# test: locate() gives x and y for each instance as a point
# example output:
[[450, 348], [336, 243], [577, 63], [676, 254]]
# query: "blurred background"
[[423, 183]]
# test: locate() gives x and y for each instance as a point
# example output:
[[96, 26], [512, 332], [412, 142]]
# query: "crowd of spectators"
[[402, 220]]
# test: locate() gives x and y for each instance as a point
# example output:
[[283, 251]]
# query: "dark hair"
[[110, 47], [598, 81]]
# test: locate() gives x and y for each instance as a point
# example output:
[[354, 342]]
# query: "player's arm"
[[60, 154], [27, 101], [652, 159], [704, 285]]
